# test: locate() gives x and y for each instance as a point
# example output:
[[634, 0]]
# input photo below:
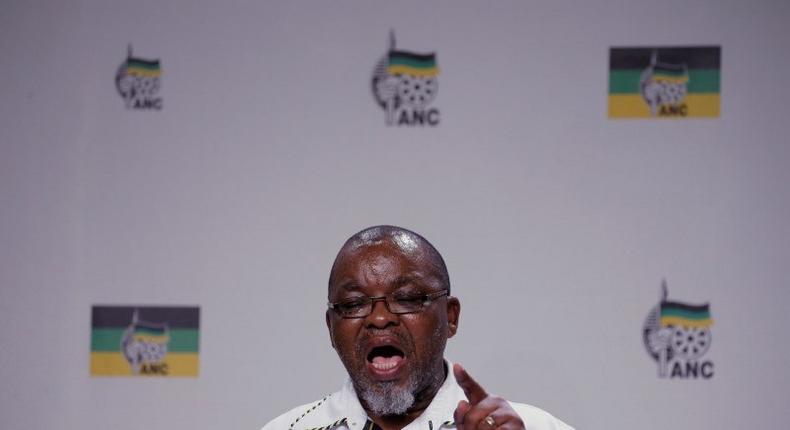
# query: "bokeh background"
[[557, 223]]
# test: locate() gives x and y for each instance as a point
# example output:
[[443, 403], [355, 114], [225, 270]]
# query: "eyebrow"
[[397, 283], [349, 286], [405, 280]]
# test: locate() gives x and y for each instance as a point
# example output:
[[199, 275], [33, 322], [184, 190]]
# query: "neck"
[[422, 399]]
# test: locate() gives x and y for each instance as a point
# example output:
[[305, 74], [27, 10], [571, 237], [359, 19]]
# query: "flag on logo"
[[684, 315], [408, 63], [144, 68]]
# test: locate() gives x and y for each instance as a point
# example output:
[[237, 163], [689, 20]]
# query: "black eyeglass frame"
[[427, 299]]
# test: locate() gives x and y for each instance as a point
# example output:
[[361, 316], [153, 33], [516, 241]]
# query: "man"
[[390, 315]]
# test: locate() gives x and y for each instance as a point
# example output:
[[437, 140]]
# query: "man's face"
[[391, 358]]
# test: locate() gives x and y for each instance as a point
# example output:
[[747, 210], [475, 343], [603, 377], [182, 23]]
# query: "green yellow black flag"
[[664, 82], [145, 341]]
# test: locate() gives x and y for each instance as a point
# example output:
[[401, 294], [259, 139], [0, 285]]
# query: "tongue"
[[394, 360]]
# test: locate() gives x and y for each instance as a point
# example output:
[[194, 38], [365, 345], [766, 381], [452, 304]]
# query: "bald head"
[[406, 241]]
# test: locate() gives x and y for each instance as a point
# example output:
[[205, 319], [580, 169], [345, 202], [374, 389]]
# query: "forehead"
[[384, 261]]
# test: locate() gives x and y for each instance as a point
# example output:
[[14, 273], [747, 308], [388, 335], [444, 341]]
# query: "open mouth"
[[384, 361]]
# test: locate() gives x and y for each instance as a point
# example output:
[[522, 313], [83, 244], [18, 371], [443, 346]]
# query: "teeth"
[[384, 366]]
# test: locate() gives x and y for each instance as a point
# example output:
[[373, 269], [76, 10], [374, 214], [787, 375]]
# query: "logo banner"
[[664, 82], [145, 340]]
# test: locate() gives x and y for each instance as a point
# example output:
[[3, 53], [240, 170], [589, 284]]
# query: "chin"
[[388, 398]]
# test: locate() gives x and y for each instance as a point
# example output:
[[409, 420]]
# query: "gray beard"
[[386, 398]]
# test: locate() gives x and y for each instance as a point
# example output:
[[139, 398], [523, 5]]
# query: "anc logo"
[[144, 345], [677, 335], [144, 340], [138, 81], [664, 86], [404, 84], [664, 82]]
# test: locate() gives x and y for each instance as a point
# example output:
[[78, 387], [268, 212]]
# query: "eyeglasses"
[[397, 303]]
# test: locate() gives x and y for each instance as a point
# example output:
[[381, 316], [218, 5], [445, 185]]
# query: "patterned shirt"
[[342, 411]]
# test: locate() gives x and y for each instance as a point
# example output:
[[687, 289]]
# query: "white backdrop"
[[557, 223]]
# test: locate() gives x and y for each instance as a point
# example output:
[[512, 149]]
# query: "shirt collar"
[[354, 411], [443, 405]]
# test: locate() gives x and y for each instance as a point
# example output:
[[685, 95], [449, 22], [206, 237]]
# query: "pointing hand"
[[482, 411]]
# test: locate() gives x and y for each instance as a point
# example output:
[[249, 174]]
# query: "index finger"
[[474, 392]]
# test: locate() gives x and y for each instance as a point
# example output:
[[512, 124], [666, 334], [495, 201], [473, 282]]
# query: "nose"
[[380, 316]]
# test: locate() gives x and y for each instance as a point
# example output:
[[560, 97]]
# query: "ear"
[[329, 328], [453, 313]]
